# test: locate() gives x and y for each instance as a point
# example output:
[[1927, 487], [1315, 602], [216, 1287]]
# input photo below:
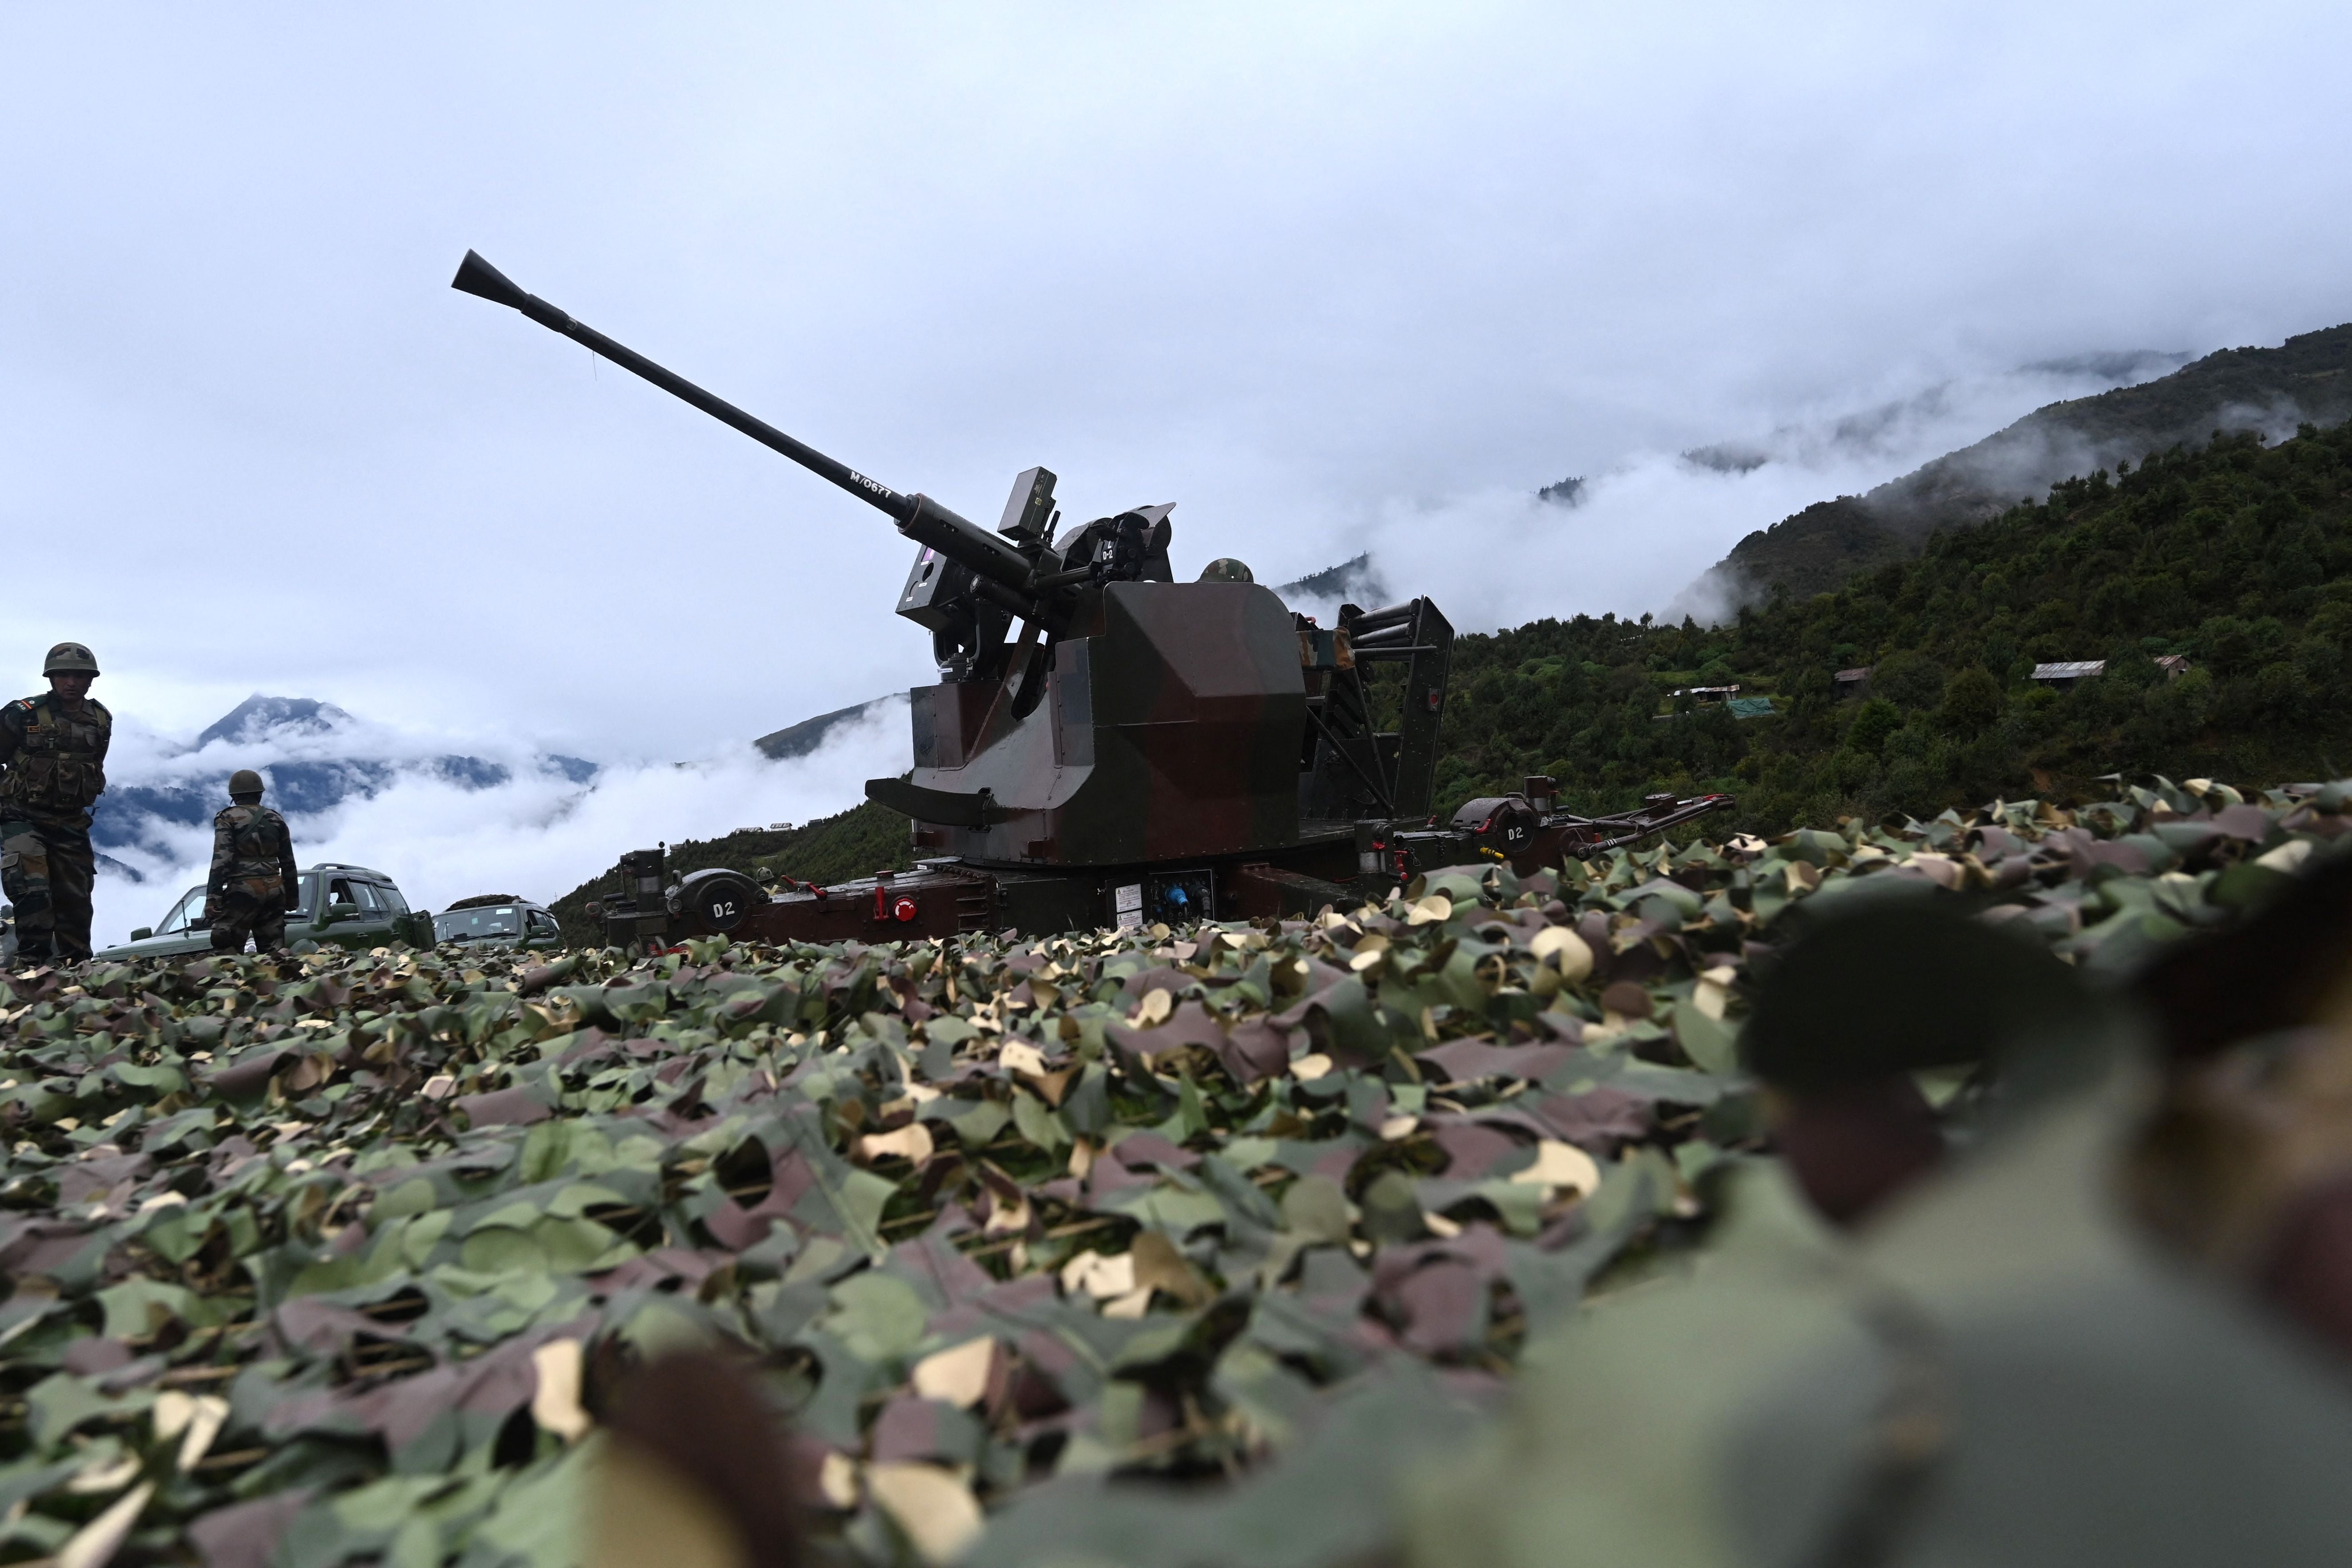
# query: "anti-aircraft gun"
[[1139, 750]]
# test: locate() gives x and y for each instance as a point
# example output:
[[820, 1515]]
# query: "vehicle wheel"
[[718, 900]]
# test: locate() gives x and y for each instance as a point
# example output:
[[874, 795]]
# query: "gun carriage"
[[1107, 746]]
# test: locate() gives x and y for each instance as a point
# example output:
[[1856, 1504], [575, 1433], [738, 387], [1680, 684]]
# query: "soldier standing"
[[53, 748], [252, 884]]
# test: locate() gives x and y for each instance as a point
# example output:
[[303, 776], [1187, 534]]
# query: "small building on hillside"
[[1852, 682], [1705, 696], [2066, 677]]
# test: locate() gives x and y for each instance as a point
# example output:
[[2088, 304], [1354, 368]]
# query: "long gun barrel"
[[1002, 568]]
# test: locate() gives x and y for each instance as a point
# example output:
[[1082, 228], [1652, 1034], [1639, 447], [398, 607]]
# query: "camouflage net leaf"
[[321, 1259]]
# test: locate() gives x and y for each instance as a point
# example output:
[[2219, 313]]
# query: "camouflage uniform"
[[55, 756], [252, 882]]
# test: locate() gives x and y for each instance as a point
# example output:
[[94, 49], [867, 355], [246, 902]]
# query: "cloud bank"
[[1640, 533], [536, 832]]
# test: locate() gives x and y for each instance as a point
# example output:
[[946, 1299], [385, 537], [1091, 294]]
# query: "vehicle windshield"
[[466, 925], [191, 907]]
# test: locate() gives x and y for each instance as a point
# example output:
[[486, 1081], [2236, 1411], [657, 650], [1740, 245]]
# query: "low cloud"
[[2275, 420], [536, 832], [1641, 535]]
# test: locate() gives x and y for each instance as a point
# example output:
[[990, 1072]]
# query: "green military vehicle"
[[351, 906], [498, 920]]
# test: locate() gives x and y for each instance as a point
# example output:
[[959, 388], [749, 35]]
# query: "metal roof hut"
[[2066, 677]]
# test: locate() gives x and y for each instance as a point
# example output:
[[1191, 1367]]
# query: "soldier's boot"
[[25, 877]]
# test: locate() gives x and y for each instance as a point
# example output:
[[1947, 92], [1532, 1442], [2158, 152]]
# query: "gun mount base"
[[1339, 867]]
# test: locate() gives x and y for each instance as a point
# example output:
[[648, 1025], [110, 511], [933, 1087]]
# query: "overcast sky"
[[1314, 272]]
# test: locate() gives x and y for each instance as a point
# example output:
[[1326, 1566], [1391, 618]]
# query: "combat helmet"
[[244, 782], [69, 659], [1226, 569]]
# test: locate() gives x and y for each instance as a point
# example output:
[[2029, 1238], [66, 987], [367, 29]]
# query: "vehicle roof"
[[501, 904], [341, 866]]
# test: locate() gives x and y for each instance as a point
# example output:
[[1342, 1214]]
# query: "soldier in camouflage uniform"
[[53, 751], [252, 884]]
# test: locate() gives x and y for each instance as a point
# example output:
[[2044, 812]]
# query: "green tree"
[[1872, 722], [1908, 679], [1971, 704]]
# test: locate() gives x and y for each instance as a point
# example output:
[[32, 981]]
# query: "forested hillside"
[[2238, 554]]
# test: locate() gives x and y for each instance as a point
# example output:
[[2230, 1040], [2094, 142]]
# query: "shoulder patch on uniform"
[[25, 702]]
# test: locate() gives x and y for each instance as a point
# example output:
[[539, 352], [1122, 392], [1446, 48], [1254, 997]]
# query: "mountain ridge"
[[140, 802], [2304, 380], [802, 739]]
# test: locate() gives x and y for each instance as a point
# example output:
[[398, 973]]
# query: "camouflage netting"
[[333, 1257]]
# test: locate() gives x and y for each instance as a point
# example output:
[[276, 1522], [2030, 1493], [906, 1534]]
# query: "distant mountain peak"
[[802, 739], [277, 737], [1354, 578], [1729, 457], [262, 718]]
